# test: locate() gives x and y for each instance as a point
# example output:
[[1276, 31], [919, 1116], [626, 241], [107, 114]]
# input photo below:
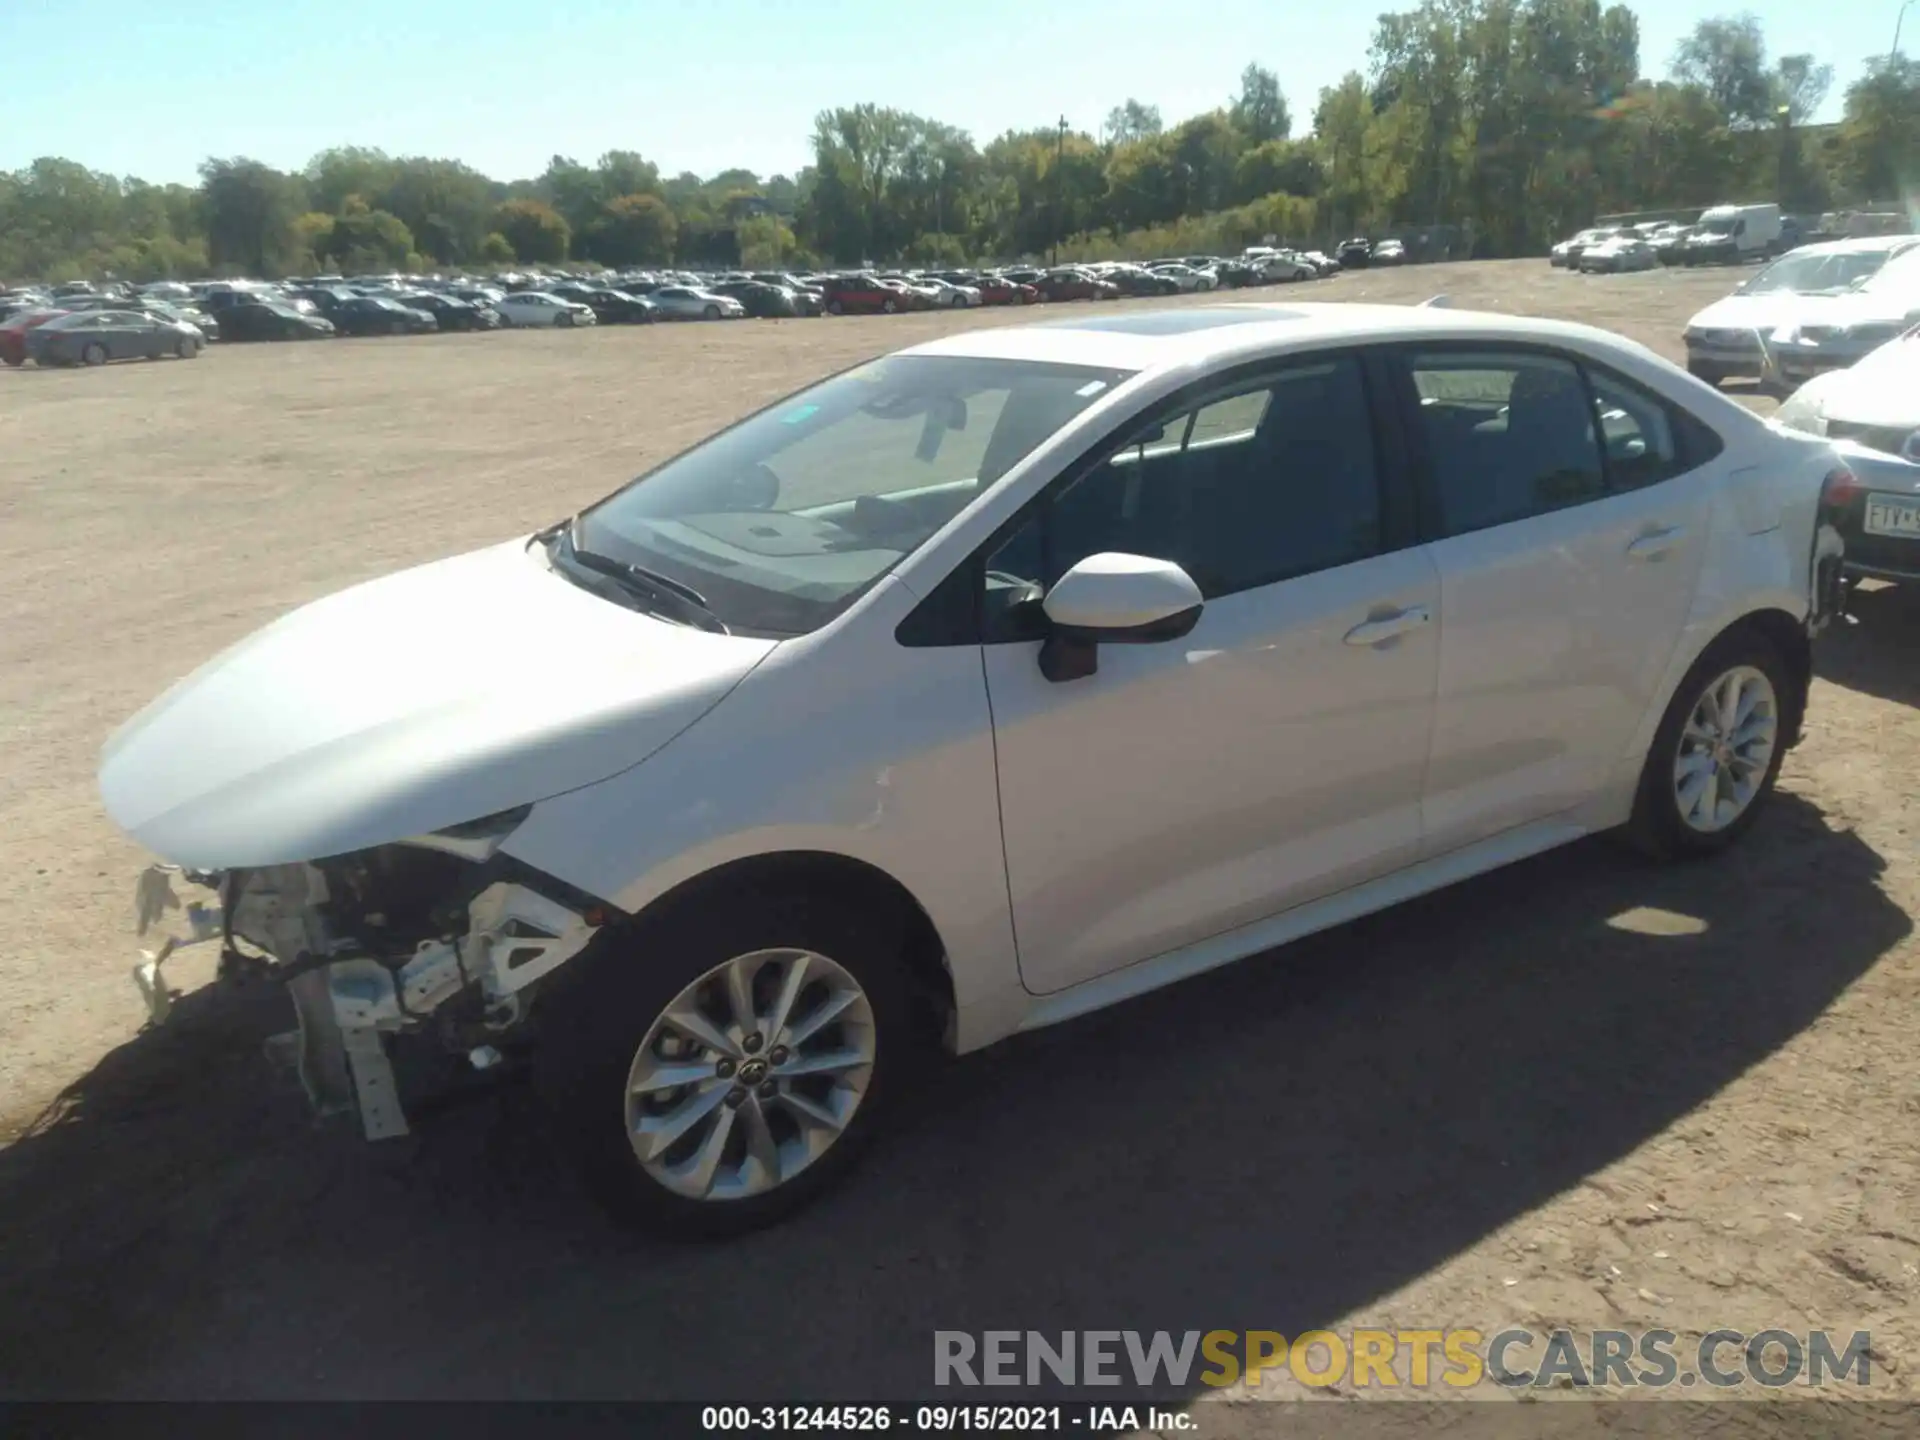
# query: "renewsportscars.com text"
[[1394, 1359]]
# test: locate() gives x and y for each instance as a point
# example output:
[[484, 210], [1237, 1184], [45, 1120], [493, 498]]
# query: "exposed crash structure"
[[437, 936]]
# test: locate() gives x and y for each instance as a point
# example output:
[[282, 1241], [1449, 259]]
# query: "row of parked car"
[[82, 323]]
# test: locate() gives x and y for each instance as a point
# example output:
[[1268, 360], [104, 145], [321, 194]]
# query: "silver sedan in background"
[[688, 302]]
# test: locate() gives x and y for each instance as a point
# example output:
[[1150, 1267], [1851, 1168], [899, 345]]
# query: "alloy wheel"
[[750, 1074], [1726, 749]]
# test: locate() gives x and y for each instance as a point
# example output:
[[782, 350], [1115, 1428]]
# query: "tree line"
[[1512, 121]]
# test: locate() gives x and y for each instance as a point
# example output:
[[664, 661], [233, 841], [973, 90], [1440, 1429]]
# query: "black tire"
[[593, 1023], [1657, 828], [185, 349], [888, 306], [834, 307], [94, 354], [712, 312], [1702, 370], [564, 320]]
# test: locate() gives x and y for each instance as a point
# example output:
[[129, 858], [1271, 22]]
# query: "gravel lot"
[[1580, 1092]]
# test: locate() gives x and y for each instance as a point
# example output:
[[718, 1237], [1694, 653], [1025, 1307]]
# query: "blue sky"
[[151, 87]]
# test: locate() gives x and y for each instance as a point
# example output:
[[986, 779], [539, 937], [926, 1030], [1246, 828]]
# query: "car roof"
[[1857, 245], [1219, 334]]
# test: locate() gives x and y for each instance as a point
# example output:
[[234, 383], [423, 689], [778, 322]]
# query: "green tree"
[[537, 234], [1726, 56], [496, 249], [765, 242], [1133, 121], [363, 240], [1260, 110], [632, 230], [1881, 132], [250, 209]]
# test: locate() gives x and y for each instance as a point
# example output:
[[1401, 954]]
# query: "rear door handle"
[[1655, 543], [1387, 627]]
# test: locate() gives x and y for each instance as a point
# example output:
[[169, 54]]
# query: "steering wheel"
[[757, 488]]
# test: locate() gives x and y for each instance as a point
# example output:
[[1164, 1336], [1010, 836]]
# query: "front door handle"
[[1655, 543], [1387, 627]]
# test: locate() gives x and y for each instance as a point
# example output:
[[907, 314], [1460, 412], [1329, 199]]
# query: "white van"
[[1731, 233]]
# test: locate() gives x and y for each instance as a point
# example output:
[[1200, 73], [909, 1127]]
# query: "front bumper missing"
[[349, 1004]]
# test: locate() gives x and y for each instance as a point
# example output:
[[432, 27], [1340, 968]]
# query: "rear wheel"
[[94, 354], [834, 307], [725, 1077], [1717, 753]]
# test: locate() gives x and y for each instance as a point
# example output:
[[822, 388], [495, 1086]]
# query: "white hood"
[[1882, 390], [421, 700], [1754, 312]]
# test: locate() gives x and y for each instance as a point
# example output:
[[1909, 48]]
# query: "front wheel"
[[1717, 753], [722, 1079], [564, 319], [712, 312], [94, 354], [888, 306]]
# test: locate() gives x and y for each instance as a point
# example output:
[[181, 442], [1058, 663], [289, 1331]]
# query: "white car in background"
[[690, 302], [1834, 332], [976, 688], [1723, 341], [1185, 276], [949, 295], [537, 307], [1618, 254], [1873, 405]]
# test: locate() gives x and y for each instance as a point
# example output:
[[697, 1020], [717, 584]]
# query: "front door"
[[1273, 755], [1567, 510]]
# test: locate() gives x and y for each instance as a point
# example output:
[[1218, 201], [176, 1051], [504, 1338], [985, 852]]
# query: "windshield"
[[1722, 226], [1805, 274], [1899, 277], [784, 520]]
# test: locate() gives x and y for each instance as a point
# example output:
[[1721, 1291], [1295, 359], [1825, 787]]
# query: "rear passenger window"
[[1647, 439], [1507, 436]]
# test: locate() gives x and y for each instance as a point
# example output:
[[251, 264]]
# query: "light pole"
[[1059, 214], [1905, 5]]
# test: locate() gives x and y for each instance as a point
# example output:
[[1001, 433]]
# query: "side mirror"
[[1114, 599]]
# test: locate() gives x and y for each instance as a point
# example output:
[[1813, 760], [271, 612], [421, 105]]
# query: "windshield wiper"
[[687, 603]]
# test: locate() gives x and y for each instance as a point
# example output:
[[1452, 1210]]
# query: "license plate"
[[1893, 517]]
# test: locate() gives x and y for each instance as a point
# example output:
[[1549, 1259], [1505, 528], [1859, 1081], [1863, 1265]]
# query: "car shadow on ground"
[[1877, 650], [1271, 1146]]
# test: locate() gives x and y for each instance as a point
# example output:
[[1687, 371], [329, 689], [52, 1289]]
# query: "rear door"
[[1566, 511]]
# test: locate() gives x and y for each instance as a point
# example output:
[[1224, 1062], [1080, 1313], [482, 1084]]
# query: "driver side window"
[[1251, 488]]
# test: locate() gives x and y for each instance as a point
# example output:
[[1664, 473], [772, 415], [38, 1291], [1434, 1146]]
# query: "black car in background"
[[370, 315], [1355, 254], [761, 300], [451, 313], [610, 307], [270, 320], [1137, 280]]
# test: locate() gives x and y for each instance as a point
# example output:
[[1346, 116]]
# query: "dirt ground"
[[1581, 1092]]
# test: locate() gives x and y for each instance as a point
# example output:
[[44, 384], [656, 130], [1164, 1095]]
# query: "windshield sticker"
[[799, 413], [1090, 389]]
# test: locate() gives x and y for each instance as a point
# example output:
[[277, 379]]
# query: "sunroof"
[[1178, 322]]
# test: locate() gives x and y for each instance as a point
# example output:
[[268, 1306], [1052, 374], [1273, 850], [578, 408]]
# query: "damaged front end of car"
[[438, 939]]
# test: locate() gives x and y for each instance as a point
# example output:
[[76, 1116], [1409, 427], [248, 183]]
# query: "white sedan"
[[979, 687], [536, 307], [1185, 276], [690, 302]]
